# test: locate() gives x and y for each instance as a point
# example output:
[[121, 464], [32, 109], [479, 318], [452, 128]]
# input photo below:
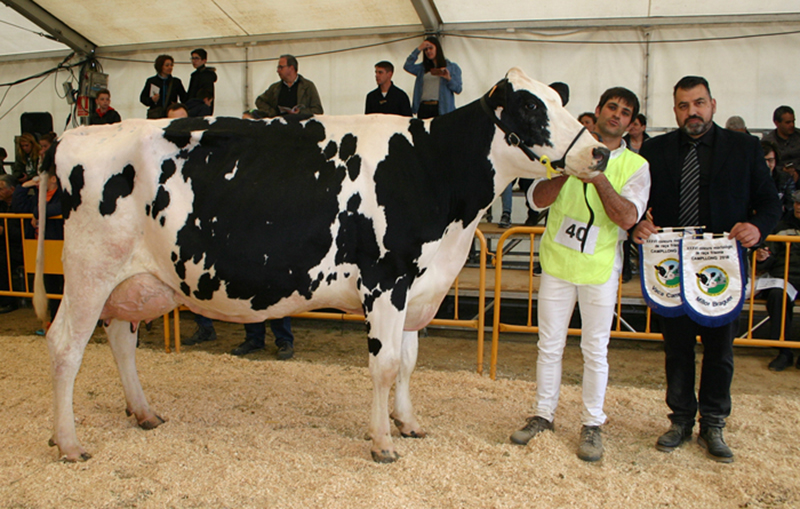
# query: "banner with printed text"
[[660, 275], [712, 279]]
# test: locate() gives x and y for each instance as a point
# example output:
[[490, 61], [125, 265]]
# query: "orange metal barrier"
[[617, 332]]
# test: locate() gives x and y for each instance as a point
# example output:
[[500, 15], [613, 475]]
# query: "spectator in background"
[[202, 105], [203, 79], [26, 163], [292, 94], [177, 110], [387, 98], [163, 89], [104, 113], [45, 142], [13, 258], [3, 155], [772, 259], [736, 123], [785, 137], [438, 79], [588, 120], [636, 133], [785, 180]]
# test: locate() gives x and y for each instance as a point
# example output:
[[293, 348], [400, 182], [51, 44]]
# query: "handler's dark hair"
[[689, 82], [385, 65], [588, 114], [780, 111], [642, 119], [429, 64], [620, 93], [160, 61]]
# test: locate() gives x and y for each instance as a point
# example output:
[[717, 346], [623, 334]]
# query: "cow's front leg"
[[123, 346], [403, 414], [384, 337]]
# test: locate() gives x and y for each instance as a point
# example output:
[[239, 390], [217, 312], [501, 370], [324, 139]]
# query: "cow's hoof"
[[67, 458], [52, 443], [384, 456], [414, 434], [152, 423]]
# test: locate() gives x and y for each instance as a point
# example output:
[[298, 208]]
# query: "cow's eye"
[[530, 106]]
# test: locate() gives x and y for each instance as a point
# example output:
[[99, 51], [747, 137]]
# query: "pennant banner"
[[660, 274], [712, 279]]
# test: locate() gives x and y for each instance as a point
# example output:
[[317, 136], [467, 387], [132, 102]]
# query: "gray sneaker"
[[534, 426], [591, 448]]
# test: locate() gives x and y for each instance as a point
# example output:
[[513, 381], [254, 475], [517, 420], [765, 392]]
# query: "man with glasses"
[[203, 78], [292, 94]]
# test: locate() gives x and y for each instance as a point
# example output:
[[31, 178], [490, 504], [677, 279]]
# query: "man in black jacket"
[[729, 190], [203, 78], [387, 98]]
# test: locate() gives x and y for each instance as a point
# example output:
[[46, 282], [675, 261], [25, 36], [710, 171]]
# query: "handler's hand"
[[643, 231], [762, 254], [746, 233]]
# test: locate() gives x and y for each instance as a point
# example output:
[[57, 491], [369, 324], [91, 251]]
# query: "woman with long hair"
[[26, 161], [163, 89], [438, 79]]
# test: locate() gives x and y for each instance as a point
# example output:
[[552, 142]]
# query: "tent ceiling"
[[121, 25]]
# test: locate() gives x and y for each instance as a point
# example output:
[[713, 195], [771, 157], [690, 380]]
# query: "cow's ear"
[[563, 91], [497, 95]]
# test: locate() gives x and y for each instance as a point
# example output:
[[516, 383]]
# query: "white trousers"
[[556, 302]]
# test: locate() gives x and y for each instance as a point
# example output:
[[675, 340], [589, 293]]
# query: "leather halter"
[[513, 139]]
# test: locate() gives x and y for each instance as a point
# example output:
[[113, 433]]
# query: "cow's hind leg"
[[385, 326], [403, 415], [67, 338], [123, 345]]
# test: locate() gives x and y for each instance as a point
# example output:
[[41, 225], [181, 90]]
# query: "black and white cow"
[[245, 220]]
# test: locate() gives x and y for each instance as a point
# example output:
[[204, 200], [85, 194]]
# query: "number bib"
[[572, 233]]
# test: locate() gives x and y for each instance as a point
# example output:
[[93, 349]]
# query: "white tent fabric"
[[750, 65]]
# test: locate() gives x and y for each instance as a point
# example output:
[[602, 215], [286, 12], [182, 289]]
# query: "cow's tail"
[[39, 292]]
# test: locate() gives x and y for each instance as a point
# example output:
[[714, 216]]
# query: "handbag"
[[160, 111]]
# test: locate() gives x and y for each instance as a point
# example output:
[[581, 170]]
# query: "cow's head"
[[533, 118]]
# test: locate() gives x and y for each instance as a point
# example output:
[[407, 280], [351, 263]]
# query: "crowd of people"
[[699, 174]]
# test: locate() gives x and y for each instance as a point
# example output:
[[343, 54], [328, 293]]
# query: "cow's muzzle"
[[601, 156]]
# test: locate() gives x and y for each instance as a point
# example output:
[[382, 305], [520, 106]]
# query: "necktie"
[[690, 188]]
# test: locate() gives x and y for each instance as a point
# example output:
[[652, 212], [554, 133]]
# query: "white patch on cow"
[[197, 223], [316, 175], [214, 219], [229, 176], [265, 259]]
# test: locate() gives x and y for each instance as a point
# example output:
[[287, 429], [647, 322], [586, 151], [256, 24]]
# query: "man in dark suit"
[[703, 174]]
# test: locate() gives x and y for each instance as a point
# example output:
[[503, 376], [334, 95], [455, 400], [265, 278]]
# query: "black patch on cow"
[[168, 168], [160, 202], [316, 282], [162, 221], [180, 268], [71, 200], [206, 286], [331, 278], [399, 294], [147, 209], [374, 346], [279, 206], [347, 147], [526, 115], [353, 203], [173, 256], [369, 300], [179, 131], [330, 150], [353, 167], [185, 289], [118, 186]]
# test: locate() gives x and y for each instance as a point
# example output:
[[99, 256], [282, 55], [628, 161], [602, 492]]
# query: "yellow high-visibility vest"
[[566, 233]]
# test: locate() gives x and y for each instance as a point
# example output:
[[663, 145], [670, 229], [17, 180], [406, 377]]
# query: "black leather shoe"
[[505, 220], [710, 439], [676, 435], [781, 362], [201, 335], [285, 352], [247, 347]]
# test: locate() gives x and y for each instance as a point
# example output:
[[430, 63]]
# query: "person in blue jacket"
[[438, 79]]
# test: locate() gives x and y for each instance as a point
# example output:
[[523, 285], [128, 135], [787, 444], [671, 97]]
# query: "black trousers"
[[774, 298], [713, 399]]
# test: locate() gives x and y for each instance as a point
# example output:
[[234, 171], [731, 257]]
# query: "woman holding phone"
[[438, 79]]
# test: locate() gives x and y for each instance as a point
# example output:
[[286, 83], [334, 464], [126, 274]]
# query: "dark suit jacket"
[[740, 190]]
